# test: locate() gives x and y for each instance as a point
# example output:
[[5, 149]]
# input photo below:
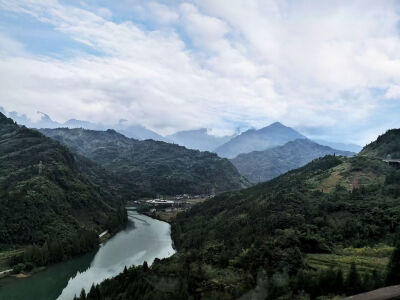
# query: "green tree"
[[45, 253], [37, 257], [377, 279], [393, 268], [145, 266], [353, 281], [94, 293], [28, 254], [339, 285], [82, 295]]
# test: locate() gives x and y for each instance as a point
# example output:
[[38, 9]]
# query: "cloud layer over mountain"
[[329, 68]]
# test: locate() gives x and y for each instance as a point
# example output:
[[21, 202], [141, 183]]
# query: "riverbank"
[[144, 239], [166, 210], [7, 271], [5, 257], [167, 217]]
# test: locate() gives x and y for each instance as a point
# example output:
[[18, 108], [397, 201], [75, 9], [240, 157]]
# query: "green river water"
[[144, 239]]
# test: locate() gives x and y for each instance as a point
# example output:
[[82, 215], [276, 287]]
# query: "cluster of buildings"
[[160, 202]]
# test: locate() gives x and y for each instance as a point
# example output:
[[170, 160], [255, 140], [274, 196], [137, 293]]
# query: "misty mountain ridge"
[[198, 139], [136, 131], [140, 133], [342, 146], [228, 146], [258, 166], [270, 136]]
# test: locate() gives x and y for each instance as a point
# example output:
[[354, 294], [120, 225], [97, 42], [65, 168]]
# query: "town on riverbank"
[[165, 208]]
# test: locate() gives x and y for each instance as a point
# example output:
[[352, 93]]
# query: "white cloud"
[[212, 64], [104, 13], [393, 92], [162, 14], [8, 45]]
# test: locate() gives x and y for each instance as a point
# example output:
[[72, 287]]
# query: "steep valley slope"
[[253, 243], [152, 167], [43, 191]]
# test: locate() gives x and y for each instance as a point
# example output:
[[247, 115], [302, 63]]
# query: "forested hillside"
[[386, 145], [152, 167], [44, 195], [259, 166], [262, 242]]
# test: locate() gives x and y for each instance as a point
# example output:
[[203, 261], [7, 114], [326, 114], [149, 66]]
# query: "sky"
[[330, 69]]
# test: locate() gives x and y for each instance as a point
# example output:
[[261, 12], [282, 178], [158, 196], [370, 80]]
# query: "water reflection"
[[144, 239]]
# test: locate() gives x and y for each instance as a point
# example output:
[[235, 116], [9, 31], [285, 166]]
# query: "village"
[[166, 208]]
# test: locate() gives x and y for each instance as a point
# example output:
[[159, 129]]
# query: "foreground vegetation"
[[270, 241]]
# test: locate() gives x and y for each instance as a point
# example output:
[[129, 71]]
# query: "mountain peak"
[[264, 165], [273, 135], [277, 124], [5, 120]]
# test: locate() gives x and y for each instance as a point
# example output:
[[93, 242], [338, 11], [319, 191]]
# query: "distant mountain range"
[[342, 146], [198, 139], [229, 146], [273, 135], [258, 166], [138, 132], [152, 167]]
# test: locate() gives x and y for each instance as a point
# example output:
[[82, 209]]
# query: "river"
[[144, 239]]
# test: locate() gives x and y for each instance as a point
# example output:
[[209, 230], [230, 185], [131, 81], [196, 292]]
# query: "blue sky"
[[330, 69]]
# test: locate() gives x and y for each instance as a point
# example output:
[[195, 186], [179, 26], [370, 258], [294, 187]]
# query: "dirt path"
[[386, 293], [354, 182], [372, 176]]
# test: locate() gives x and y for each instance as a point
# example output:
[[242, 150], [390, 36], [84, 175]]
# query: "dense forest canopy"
[[152, 167], [255, 242], [43, 192]]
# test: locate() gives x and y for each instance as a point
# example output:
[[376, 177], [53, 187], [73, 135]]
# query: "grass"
[[366, 259], [328, 181]]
